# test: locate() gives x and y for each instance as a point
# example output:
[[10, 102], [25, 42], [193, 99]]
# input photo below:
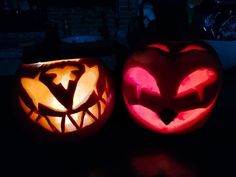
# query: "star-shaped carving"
[[63, 75]]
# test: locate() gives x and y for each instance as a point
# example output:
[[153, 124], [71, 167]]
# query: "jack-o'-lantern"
[[69, 96], [171, 87]]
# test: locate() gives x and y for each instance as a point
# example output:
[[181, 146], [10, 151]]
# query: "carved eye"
[[196, 81], [66, 101], [85, 85], [143, 80], [39, 93]]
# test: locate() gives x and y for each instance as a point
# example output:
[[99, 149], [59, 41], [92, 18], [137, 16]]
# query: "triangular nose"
[[167, 115]]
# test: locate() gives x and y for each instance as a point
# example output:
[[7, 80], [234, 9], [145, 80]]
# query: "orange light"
[[85, 85], [40, 94], [63, 75]]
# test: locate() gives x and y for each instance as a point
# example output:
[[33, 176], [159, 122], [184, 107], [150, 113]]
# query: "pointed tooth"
[[43, 122], [104, 95], [69, 127], [23, 105], [34, 116], [102, 107], [56, 121], [77, 117], [88, 120], [94, 110]]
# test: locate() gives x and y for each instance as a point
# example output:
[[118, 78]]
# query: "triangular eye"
[[85, 86], [196, 81], [142, 79], [40, 94]]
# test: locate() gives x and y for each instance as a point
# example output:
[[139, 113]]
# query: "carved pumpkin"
[[172, 87], [65, 96]]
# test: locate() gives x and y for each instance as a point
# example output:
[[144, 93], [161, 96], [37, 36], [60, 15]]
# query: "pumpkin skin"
[[172, 87], [65, 97]]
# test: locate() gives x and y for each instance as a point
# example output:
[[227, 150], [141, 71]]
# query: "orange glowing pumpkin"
[[172, 87], [70, 96]]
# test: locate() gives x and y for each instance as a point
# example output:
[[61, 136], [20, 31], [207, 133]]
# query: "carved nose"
[[167, 115]]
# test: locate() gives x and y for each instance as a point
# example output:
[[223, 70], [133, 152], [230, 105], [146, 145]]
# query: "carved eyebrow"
[[192, 48], [161, 47]]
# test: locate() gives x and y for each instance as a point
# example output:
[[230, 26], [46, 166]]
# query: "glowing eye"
[[85, 86], [143, 80], [196, 81], [39, 93]]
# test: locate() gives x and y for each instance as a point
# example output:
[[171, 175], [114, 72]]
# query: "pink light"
[[160, 46], [192, 48], [159, 164], [142, 79], [147, 116], [196, 81], [182, 122]]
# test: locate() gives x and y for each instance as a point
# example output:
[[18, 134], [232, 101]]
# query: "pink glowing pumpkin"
[[172, 87]]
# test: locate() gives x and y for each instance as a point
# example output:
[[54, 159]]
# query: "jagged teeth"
[[88, 120], [102, 107], [77, 117], [56, 121], [94, 110]]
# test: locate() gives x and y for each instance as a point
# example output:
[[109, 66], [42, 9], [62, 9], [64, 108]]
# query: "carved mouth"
[[167, 115], [178, 122], [68, 122], [89, 94]]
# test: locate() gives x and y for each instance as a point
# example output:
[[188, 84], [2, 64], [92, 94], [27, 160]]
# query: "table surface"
[[122, 148]]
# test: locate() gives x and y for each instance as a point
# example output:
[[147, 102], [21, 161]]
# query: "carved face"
[[171, 88], [65, 96]]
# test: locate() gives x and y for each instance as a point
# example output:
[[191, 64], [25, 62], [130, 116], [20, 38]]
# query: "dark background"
[[121, 148]]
